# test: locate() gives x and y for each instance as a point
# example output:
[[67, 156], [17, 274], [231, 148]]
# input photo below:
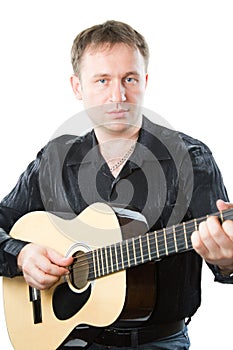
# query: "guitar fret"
[[89, 259], [138, 250], [152, 242], [156, 244], [185, 235], [117, 266], [115, 253], [91, 274], [141, 250], [102, 262], [119, 255], [195, 224], [94, 265], [221, 216], [126, 254], [98, 264], [174, 237], [148, 245], [122, 256], [106, 260], [111, 259], [134, 251], [171, 240], [189, 229], [127, 251], [165, 241]]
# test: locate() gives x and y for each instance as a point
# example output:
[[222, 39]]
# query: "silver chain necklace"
[[123, 159]]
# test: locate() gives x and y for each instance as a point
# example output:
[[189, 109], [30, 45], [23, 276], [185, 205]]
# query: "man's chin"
[[117, 127]]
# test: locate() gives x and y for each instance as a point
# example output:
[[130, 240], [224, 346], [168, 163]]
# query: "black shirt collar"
[[152, 137]]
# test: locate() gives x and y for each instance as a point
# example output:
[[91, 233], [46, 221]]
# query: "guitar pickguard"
[[67, 303]]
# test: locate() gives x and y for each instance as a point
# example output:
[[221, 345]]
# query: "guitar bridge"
[[35, 299]]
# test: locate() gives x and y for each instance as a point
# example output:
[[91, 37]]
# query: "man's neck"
[[116, 147], [104, 136]]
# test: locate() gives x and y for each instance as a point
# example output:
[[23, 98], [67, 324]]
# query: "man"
[[126, 161]]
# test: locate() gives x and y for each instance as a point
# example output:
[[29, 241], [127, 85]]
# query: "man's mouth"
[[118, 113]]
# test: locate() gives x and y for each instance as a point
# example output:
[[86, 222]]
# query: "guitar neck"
[[144, 248]]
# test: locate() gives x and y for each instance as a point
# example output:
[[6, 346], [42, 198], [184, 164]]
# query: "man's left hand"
[[214, 240]]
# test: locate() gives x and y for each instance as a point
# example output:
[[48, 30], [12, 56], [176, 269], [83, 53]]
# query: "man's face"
[[112, 84]]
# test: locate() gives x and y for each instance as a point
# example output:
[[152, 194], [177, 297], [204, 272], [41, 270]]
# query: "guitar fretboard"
[[144, 248]]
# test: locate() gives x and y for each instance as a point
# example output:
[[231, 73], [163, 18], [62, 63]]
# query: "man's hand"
[[214, 241], [42, 267]]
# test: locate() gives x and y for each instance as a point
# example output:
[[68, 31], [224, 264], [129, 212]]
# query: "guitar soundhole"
[[79, 270]]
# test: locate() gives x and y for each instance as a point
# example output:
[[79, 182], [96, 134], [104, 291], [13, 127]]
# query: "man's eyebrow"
[[103, 75], [134, 72]]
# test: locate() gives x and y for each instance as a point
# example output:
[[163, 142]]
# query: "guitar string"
[[174, 230], [104, 262], [102, 271], [160, 234], [117, 266], [151, 237]]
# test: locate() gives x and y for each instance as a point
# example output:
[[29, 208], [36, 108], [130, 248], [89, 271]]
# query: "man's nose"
[[117, 92]]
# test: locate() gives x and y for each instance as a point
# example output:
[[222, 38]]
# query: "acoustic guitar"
[[95, 292]]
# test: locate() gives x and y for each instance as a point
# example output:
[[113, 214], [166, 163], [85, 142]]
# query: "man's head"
[[107, 34], [110, 75]]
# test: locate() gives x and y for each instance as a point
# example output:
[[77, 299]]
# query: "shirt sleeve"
[[24, 197], [9, 250], [219, 277], [208, 186]]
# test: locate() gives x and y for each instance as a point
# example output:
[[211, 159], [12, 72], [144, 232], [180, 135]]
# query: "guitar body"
[[61, 308], [112, 272]]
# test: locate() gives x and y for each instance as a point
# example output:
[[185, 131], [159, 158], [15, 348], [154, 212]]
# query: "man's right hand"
[[41, 266]]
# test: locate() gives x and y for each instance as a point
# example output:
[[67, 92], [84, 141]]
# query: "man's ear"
[[76, 86], [146, 80]]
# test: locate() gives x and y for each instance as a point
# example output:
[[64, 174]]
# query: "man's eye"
[[102, 81], [130, 80]]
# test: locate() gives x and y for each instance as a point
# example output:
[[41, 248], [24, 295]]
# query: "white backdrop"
[[190, 85]]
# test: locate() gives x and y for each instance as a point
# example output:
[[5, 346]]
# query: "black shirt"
[[169, 178]]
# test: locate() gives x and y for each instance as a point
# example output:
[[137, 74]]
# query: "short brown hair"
[[110, 33]]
